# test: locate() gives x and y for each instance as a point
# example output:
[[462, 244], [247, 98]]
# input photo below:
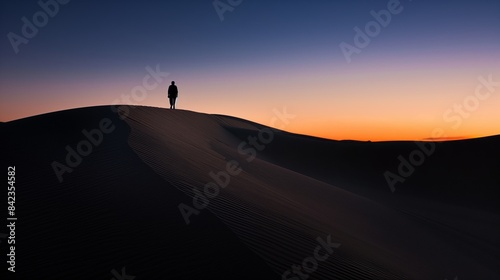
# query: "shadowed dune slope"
[[431, 227], [111, 212], [120, 206]]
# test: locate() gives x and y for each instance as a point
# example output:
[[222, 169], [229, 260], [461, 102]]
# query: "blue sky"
[[109, 43]]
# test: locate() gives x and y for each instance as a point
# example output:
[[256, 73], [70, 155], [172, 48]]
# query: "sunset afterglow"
[[419, 75]]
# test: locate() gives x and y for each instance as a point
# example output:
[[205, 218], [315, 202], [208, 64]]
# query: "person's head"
[[173, 83]]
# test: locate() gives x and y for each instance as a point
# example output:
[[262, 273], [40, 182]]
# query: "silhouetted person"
[[172, 94]]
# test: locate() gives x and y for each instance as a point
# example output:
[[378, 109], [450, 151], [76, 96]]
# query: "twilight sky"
[[417, 78]]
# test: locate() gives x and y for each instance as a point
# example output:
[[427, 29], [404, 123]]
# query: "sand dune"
[[266, 205]]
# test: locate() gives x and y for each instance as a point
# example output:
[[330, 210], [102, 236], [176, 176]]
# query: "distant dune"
[[258, 200]]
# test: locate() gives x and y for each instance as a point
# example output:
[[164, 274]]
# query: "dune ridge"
[[293, 206], [120, 206]]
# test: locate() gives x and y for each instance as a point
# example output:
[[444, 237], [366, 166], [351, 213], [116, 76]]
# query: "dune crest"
[[261, 203], [279, 211]]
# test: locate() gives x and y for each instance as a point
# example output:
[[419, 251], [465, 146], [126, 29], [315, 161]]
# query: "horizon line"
[[428, 139]]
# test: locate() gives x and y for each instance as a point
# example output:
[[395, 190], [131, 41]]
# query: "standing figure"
[[172, 94]]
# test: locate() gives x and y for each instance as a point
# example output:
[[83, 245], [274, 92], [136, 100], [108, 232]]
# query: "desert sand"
[[120, 206]]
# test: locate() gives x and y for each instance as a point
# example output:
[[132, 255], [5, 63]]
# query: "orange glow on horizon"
[[357, 104]]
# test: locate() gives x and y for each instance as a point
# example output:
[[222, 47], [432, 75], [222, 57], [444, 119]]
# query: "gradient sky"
[[266, 55]]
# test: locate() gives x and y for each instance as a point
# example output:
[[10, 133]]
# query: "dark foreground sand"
[[119, 207]]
